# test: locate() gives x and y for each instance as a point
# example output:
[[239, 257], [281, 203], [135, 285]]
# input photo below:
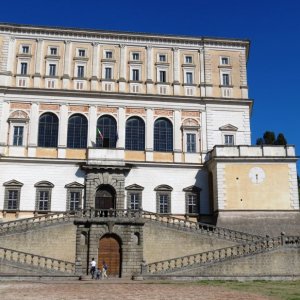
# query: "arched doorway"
[[105, 197], [110, 252]]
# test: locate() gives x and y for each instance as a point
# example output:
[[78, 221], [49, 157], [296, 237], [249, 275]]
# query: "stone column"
[[176, 70], [149, 81], [38, 63], [123, 69], [121, 128], [92, 126], [63, 131], [177, 134], [95, 66], [67, 64], [149, 134], [33, 129]]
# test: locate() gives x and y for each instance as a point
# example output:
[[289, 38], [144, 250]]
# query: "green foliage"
[[269, 139]]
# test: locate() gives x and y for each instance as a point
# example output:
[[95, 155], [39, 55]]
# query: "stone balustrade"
[[37, 261]]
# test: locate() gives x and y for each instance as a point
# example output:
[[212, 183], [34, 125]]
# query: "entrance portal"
[[105, 197], [110, 252]]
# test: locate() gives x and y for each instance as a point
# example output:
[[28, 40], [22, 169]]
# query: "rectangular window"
[[52, 70], [43, 200], [81, 53], [135, 75], [135, 56], [13, 196], [191, 142], [108, 73], [108, 54], [162, 58], [80, 71], [23, 68], [162, 76], [163, 203], [224, 61], [225, 79], [188, 59], [18, 136], [134, 201], [25, 49], [192, 204], [189, 77], [53, 51], [74, 200], [228, 139]]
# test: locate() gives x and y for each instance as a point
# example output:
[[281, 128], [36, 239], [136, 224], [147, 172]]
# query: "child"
[[98, 273]]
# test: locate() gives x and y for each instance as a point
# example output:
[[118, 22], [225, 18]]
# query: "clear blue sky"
[[272, 26]]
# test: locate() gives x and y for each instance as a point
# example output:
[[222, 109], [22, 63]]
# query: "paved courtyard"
[[111, 289]]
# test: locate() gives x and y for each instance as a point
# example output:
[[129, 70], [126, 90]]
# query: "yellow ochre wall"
[[242, 193]]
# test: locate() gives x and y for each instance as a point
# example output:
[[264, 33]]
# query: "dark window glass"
[[229, 140], [108, 54], [108, 73], [135, 75], [43, 200], [48, 130], [134, 201], [107, 125], [81, 53], [163, 135], [12, 199], [18, 135], [192, 204], [23, 68], [189, 77], [225, 79], [25, 49], [162, 76], [77, 132], [191, 142], [74, 200], [53, 51], [135, 134], [80, 71], [163, 203], [52, 69]]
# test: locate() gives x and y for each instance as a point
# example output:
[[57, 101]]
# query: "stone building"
[[117, 120]]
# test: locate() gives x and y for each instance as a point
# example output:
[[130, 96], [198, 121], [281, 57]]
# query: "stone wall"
[[57, 241], [161, 242]]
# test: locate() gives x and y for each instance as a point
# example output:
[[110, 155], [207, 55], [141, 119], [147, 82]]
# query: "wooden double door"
[[105, 197], [110, 253]]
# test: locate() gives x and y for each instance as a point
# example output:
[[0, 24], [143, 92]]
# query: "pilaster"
[[95, 67], [176, 69], [67, 65], [63, 131], [33, 129], [38, 63], [149, 134], [149, 68], [92, 126], [121, 128]]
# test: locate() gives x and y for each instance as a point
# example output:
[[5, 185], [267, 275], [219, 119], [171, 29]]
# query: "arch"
[[77, 131], [163, 187], [107, 134], [44, 183], [110, 252], [135, 134], [105, 197], [163, 135], [48, 130]]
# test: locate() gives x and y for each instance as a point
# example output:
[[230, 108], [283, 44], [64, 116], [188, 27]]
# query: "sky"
[[272, 26]]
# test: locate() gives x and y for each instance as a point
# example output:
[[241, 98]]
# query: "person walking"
[[93, 268], [104, 270]]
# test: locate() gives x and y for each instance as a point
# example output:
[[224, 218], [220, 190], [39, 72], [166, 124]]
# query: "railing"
[[37, 261], [29, 223], [92, 213], [213, 256]]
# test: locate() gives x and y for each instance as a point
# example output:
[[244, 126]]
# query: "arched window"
[[107, 134], [48, 130], [135, 134], [163, 135], [77, 131]]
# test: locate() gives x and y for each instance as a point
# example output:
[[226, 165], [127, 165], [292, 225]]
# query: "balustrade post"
[[282, 238]]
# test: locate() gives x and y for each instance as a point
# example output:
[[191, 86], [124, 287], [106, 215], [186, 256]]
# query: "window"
[[23, 68], [25, 49], [228, 139], [74, 195], [108, 54], [80, 71], [192, 199], [74, 200], [12, 195], [134, 196], [191, 142], [107, 134], [189, 77], [53, 51], [48, 130], [135, 74], [162, 58], [225, 79], [43, 196], [18, 135], [81, 53], [135, 56], [162, 76], [163, 199], [134, 201], [163, 135], [108, 73], [188, 59], [224, 60], [77, 132], [135, 134], [52, 70]]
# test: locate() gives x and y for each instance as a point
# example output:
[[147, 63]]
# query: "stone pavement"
[[113, 289]]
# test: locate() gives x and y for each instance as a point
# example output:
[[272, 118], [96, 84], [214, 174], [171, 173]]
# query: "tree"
[[269, 139]]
